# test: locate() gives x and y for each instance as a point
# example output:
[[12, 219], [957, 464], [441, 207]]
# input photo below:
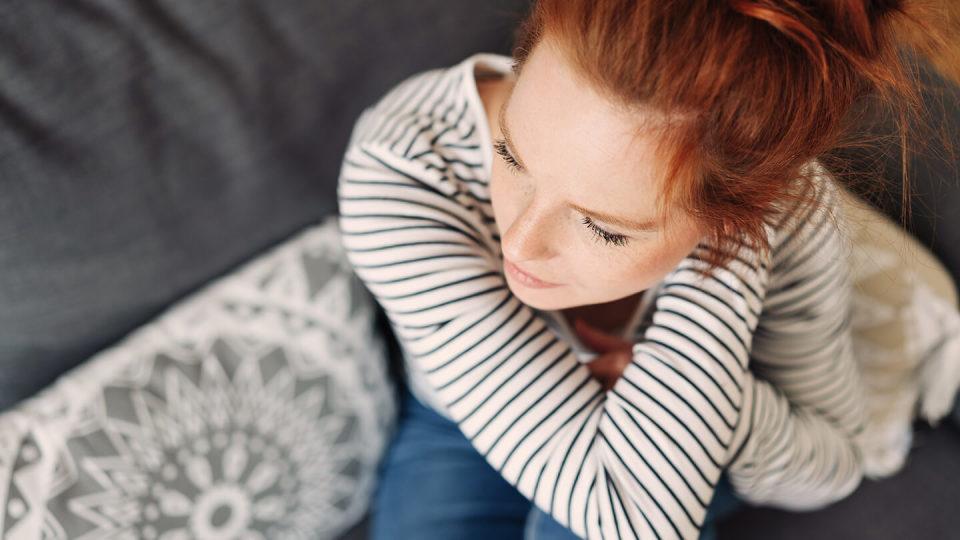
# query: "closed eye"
[[615, 239], [500, 145], [608, 237]]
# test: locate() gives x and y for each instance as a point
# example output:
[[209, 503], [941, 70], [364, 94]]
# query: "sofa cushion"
[[147, 147], [918, 502], [256, 408]]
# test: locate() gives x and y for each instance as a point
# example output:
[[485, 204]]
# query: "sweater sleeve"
[[802, 347], [803, 343], [640, 461]]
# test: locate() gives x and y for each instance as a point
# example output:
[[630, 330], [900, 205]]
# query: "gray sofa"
[[148, 147]]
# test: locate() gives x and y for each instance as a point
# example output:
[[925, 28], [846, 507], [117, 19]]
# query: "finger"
[[605, 379], [610, 363], [596, 339], [603, 370]]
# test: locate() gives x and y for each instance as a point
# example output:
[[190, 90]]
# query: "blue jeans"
[[434, 485]]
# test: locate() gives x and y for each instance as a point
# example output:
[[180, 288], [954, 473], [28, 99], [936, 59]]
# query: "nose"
[[528, 237]]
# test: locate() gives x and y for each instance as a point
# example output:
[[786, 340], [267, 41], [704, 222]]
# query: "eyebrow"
[[642, 226]]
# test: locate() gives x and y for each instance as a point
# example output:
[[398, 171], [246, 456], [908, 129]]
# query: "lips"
[[526, 278]]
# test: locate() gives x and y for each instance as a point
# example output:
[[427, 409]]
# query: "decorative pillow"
[[906, 333], [257, 408]]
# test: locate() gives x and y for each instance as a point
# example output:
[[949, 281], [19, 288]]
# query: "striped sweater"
[[750, 370]]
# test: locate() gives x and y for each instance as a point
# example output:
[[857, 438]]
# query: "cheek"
[[504, 201], [614, 276], [670, 251]]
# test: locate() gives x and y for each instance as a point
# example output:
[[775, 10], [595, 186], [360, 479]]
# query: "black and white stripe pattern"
[[639, 461]]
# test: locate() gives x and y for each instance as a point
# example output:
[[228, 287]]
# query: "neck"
[[610, 317]]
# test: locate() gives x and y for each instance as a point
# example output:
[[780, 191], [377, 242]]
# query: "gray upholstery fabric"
[[934, 173], [148, 146], [918, 502]]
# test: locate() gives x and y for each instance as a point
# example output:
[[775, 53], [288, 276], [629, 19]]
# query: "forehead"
[[567, 132]]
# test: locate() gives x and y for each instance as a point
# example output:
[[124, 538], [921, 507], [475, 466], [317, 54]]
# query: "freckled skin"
[[576, 147]]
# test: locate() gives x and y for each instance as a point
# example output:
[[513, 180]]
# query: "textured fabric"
[[459, 496], [432, 484], [906, 332], [258, 407], [645, 458], [149, 146], [919, 502]]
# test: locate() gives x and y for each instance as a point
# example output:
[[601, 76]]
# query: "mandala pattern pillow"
[[257, 408]]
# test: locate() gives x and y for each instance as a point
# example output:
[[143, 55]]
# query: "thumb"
[[596, 339]]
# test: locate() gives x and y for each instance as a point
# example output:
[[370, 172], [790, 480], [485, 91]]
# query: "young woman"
[[587, 252]]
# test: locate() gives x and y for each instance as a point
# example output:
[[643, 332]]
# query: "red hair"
[[755, 89]]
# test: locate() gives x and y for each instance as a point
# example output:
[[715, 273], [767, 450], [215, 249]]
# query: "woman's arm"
[[803, 342], [770, 485], [803, 346], [640, 460]]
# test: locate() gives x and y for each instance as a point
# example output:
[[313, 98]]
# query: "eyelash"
[[610, 238], [501, 147]]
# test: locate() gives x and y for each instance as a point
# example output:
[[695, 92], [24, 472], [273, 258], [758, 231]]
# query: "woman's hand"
[[614, 353]]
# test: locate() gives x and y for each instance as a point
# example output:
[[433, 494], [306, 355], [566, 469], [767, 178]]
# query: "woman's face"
[[573, 191]]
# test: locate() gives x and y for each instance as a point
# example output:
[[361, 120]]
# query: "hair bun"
[[858, 30]]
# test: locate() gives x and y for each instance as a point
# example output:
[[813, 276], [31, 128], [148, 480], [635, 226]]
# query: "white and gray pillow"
[[256, 408]]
